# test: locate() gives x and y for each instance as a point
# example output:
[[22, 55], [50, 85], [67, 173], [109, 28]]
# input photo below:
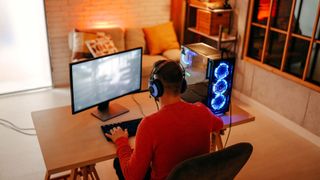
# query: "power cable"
[[139, 105], [156, 104], [230, 125], [14, 127]]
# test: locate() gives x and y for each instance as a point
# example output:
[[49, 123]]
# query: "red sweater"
[[176, 132]]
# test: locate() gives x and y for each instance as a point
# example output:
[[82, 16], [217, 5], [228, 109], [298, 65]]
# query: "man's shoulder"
[[200, 105]]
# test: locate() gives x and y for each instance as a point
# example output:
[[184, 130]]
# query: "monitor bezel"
[[93, 59]]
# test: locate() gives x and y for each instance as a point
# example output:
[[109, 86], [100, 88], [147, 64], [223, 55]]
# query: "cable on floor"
[[13, 127]]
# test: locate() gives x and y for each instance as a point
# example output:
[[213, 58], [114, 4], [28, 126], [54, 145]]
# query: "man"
[[178, 131]]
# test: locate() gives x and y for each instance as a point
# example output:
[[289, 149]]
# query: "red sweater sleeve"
[[135, 163], [217, 123]]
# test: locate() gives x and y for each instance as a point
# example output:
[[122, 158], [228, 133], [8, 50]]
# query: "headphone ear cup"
[[156, 88], [183, 86]]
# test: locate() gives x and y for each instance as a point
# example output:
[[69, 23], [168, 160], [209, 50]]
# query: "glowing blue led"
[[187, 58], [218, 102], [220, 86], [221, 71]]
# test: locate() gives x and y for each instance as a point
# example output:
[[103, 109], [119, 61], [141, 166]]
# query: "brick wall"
[[64, 15]]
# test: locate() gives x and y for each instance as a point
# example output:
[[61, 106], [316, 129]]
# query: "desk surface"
[[69, 141]]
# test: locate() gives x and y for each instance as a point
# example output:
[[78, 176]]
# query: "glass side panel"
[[261, 11], [304, 17], [274, 49], [281, 17], [256, 42], [296, 57], [314, 67]]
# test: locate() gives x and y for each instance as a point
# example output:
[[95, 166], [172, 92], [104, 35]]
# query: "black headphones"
[[155, 86]]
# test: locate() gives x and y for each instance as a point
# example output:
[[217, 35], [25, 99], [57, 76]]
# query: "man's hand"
[[117, 133]]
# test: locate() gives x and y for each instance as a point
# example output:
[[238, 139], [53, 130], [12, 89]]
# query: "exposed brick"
[[64, 15]]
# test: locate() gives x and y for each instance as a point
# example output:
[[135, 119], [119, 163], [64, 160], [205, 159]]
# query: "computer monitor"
[[95, 82]]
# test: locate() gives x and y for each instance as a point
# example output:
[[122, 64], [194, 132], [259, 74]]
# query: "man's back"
[[175, 133]]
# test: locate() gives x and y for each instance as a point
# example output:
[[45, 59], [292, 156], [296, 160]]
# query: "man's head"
[[167, 76]]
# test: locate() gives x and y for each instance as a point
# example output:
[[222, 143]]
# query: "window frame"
[[289, 33]]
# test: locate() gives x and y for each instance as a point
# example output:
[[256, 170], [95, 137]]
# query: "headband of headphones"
[[155, 86], [161, 64]]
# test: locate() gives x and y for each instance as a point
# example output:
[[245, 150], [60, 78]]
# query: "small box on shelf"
[[208, 22]]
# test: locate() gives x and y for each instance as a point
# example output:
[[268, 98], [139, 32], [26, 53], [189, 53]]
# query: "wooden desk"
[[238, 116], [71, 141]]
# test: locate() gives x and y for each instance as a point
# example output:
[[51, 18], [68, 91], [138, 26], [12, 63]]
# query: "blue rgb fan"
[[220, 84], [220, 87], [218, 102], [221, 71]]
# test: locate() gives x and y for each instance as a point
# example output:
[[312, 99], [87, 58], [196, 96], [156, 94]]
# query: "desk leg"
[[219, 142], [84, 172], [74, 173], [47, 177], [216, 142], [94, 171], [213, 142]]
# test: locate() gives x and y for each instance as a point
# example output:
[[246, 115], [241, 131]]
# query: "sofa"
[[123, 39]]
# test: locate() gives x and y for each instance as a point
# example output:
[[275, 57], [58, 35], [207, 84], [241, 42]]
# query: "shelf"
[[230, 38], [211, 10]]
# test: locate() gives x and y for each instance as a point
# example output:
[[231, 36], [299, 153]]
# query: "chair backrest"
[[223, 164]]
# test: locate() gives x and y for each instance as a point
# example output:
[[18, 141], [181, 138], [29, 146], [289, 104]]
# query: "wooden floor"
[[278, 152]]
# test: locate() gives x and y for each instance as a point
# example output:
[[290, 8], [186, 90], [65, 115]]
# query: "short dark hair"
[[170, 75]]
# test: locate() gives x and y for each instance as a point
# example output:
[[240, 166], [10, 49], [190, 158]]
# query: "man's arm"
[[134, 163], [217, 123]]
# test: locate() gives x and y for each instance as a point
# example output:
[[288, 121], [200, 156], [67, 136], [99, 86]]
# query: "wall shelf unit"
[[199, 29]]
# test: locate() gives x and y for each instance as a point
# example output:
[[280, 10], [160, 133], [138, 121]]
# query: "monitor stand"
[[106, 111]]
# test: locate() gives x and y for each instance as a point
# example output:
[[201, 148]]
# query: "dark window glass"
[[304, 16], [274, 49], [296, 57], [256, 42], [314, 67], [282, 9], [261, 11]]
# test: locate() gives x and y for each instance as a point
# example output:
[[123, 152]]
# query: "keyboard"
[[130, 125]]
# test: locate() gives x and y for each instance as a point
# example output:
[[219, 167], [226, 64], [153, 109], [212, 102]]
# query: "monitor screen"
[[100, 80]]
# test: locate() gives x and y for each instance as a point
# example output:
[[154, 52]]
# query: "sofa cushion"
[[173, 54], [134, 37], [160, 38], [147, 63]]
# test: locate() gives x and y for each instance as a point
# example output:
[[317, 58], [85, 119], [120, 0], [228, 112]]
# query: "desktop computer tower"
[[220, 73], [217, 82]]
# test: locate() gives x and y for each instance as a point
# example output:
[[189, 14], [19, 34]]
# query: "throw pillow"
[[160, 38], [101, 46], [135, 38]]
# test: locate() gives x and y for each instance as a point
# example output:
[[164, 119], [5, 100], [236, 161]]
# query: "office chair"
[[224, 164]]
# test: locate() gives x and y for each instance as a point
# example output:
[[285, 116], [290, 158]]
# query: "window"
[[283, 36], [24, 62]]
